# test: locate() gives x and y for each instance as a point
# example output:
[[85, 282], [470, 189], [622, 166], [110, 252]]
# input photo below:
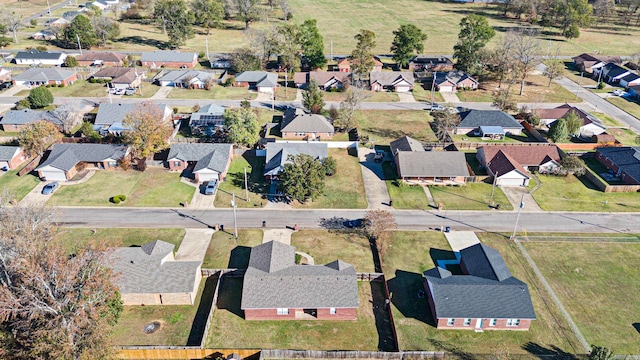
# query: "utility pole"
[[513, 236], [246, 187], [49, 6], [286, 83], [493, 187], [79, 46], [579, 84], [235, 225], [331, 50], [433, 88], [206, 42]]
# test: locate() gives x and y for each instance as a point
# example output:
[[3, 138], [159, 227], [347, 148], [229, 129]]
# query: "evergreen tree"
[[312, 98]]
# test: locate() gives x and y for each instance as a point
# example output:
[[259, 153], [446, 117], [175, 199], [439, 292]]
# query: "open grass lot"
[[473, 196], [225, 253], [385, 126], [230, 330], [121, 237], [234, 183], [286, 93], [631, 107], [326, 246], [508, 139], [579, 194], [572, 73], [422, 94], [153, 187], [345, 189], [598, 284], [414, 252], [217, 92], [403, 197], [176, 322], [372, 96], [536, 90], [80, 88], [148, 90], [19, 186], [606, 119]]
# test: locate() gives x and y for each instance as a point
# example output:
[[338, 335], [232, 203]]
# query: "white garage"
[[50, 173], [206, 175], [513, 178]]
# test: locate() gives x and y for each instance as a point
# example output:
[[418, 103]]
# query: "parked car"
[[129, 91], [211, 187], [617, 92], [119, 92], [5, 86], [436, 107], [50, 188]]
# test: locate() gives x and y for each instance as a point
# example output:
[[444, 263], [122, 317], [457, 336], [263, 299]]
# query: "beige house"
[[297, 124]]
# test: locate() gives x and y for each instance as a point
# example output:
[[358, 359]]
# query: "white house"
[[35, 57]]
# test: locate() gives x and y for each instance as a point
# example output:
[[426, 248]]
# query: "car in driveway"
[[5, 86], [211, 187], [50, 188], [617, 92]]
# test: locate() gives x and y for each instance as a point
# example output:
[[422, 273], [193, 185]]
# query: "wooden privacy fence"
[[321, 354], [180, 352], [203, 342], [605, 187], [370, 276], [30, 165]]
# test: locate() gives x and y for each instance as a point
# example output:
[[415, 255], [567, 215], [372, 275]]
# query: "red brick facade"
[[16, 160], [298, 314], [170, 64], [306, 136], [613, 167]]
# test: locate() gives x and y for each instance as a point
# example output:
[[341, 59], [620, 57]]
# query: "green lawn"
[[631, 107], [422, 94], [286, 94], [475, 96], [597, 284], [507, 139], [414, 252], [403, 196], [224, 252], [384, 126], [573, 194], [606, 119], [153, 187], [326, 246], [345, 189], [230, 330], [80, 88], [573, 74], [148, 90], [372, 96], [234, 183], [124, 237], [473, 196], [217, 92], [536, 90], [19, 186]]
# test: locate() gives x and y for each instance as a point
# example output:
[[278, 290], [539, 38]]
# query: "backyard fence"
[[605, 187], [207, 326], [30, 166], [535, 133], [321, 354], [370, 276], [181, 352]]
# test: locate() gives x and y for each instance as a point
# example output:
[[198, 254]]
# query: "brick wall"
[[501, 324], [297, 136], [177, 165], [321, 314], [17, 160]]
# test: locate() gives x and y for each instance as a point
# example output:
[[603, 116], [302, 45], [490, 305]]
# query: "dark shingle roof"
[[208, 115], [101, 55], [38, 55], [28, 116], [502, 164], [8, 152], [168, 56], [612, 70], [389, 78], [405, 143], [277, 154], [454, 76], [273, 280], [626, 158], [207, 156], [66, 156], [483, 261], [432, 164], [296, 120], [477, 118], [44, 74]]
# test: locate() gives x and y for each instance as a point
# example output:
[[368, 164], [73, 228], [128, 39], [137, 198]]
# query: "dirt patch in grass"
[[326, 246], [385, 126], [225, 253]]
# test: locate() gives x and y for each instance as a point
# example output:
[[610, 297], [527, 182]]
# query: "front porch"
[[434, 181]]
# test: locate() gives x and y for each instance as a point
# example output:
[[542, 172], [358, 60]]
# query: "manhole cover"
[[151, 327]]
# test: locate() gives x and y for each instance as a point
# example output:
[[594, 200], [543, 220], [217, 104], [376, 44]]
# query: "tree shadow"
[[386, 341], [333, 223], [404, 288], [206, 303], [229, 295], [239, 257], [452, 349], [552, 352], [141, 40]]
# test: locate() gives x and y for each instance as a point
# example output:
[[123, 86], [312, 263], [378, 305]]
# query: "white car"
[[618, 92]]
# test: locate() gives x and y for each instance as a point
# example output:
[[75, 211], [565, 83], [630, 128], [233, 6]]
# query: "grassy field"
[[573, 74], [122, 237], [422, 94], [148, 90], [153, 187], [217, 92], [473, 196], [285, 94], [595, 282], [224, 252], [326, 246], [403, 197], [385, 126], [536, 90], [414, 252], [508, 139], [631, 107], [579, 194], [19, 186], [232, 331], [372, 96], [234, 183], [345, 189]]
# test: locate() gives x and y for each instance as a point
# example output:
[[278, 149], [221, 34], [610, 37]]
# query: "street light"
[[235, 225], [513, 236]]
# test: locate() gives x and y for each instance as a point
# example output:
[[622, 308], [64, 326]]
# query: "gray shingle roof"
[[8, 152], [177, 76], [261, 78], [168, 56], [141, 270], [208, 115], [626, 158], [115, 114], [273, 280], [455, 77], [406, 143], [66, 156], [388, 78], [477, 118], [38, 55], [44, 74], [28, 116], [296, 120], [483, 261], [208, 156], [432, 164], [277, 154]]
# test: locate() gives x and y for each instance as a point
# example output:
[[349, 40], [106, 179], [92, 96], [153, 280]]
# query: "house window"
[[332, 311], [493, 322], [451, 321], [176, 163], [467, 322], [513, 322], [113, 163], [283, 311]]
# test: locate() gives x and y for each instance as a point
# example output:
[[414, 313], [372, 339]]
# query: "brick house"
[[430, 63], [344, 65], [120, 77], [327, 80], [513, 163], [45, 76], [472, 120], [624, 162], [5, 75], [297, 124], [110, 117], [397, 81], [206, 161], [66, 160], [278, 154], [191, 79], [590, 63], [150, 275], [485, 297], [17, 120], [169, 59], [99, 58], [11, 157], [454, 81], [590, 124], [275, 288], [261, 81]]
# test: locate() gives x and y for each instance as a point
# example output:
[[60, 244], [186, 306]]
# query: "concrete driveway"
[[374, 184], [449, 97], [199, 199], [406, 97], [35, 197], [194, 244], [14, 90], [515, 195], [162, 92]]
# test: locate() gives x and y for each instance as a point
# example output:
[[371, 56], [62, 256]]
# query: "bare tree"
[[13, 23], [377, 224], [67, 117], [346, 120], [602, 9], [286, 9], [444, 122], [52, 305], [554, 67], [247, 11], [525, 48]]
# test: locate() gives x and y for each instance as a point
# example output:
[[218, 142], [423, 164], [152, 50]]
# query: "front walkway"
[[449, 97], [374, 185], [284, 236], [194, 244], [515, 195], [459, 240]]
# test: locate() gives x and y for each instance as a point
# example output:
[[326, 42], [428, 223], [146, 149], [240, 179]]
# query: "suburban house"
[[432, 167], [624, 162], [297, 124], [611, 73], [275, 288], [485, 297], [5, 75], [100, 4], [277, 155], [169, 59], [16, 120], [45, 76], [190, 79], [473, 120], [590, 124], [59, 22], [66, 160], [11, 157], [260, 81], [454, 80], [120, 77], [405, 144], [430, 63], [344, 65], [398, 81], [208, 116], [150, 275], [634, 91], [629, 80], [327, 80], [44, 34], [206, 161], [110, 117], [590, 63], [99, 58], [35, 57], [511, 164], [219, 61]]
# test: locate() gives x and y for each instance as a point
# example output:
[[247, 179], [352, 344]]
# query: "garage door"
[[403, 89], [54, 175], [446, 88], [207, 176], [510, 182]]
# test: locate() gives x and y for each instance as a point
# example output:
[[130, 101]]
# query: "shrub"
[[118, 199], [298, 259], [41, 48], [601, 85], [175, 110], [40, 97], [329, 165], [23, 104]]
